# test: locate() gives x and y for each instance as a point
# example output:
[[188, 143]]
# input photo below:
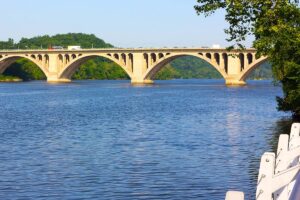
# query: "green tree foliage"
[[25, 70], [100, 69], [64, 40], [188, 67], [291, 88], [7, 45], [192, 67], [168, 72], [276, 27], [263, 72]]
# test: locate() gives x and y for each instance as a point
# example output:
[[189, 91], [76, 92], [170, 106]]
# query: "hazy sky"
[[123, 23]]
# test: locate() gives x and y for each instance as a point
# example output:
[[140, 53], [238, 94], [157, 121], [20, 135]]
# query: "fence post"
[[235, 195], [266, 173]]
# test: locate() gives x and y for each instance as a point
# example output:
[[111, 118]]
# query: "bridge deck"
[[128, 50]]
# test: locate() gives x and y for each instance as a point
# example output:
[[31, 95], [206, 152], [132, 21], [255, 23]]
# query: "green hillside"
[[101, 68], [262, 72]]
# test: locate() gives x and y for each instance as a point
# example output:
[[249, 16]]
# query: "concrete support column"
[[139, 69], [128, 63], [234, 67], [222, 64], [53, 76], [246, 61], [234, 71]]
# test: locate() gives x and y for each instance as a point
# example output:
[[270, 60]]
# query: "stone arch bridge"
[[141, 65]]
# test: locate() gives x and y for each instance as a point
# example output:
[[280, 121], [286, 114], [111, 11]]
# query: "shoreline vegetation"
[[103, 69], [5, 78]]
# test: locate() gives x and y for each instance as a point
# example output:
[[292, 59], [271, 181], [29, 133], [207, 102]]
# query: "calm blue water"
[[181, 139]]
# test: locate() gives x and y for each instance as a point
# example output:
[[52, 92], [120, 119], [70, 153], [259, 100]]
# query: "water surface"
[[180, 139]]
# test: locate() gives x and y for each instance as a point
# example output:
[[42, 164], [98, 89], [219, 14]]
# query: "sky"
[[123, 23]]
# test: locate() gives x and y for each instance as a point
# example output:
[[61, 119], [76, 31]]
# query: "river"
[[178, 139]]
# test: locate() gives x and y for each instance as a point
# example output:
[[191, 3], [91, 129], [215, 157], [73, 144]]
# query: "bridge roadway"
[[141, 64]]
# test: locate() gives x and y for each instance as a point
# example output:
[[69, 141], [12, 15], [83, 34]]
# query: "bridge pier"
[[141, 82], [58, 80], [234, 82]]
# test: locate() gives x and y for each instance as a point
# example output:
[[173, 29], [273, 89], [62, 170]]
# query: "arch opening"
[[184, 67], [67, 58], [130, 62], [94, 67], [225, 59], [40, 58], [242, 61], [116, 56], [124, 58], [46, 58], [160, 55], [260, 70], [21, 68], [217, 58], [250, 58], [153, 58], [208, 55]]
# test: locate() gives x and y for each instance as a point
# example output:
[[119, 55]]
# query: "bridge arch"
[[7, 61], [254, 65], [154, 69], [71, 67]]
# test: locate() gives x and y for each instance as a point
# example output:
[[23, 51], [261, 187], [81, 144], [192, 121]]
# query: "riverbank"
[[4, 78]]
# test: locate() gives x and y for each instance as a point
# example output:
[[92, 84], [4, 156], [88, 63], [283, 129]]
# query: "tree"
[[276, 27]]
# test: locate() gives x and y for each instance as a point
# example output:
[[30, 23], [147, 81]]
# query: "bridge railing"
[[278, 177]]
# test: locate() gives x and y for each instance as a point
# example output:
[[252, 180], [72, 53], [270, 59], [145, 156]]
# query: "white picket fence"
[[278, 172]]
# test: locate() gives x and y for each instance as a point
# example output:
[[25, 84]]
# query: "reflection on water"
[[180, 139]]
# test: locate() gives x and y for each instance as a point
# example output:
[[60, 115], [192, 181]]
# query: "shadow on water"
[[281, 126]]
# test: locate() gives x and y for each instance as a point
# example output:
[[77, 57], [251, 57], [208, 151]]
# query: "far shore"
[[10, 79]]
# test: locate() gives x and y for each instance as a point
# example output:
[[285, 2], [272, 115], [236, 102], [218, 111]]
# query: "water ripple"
[[109, 140]]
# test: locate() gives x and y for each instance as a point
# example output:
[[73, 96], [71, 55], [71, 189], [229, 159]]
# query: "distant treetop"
[[64, 40]]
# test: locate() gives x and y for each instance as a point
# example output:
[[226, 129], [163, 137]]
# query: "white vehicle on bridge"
[[74, 47]]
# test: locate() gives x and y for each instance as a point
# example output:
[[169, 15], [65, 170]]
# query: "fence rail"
[[279, 177]]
